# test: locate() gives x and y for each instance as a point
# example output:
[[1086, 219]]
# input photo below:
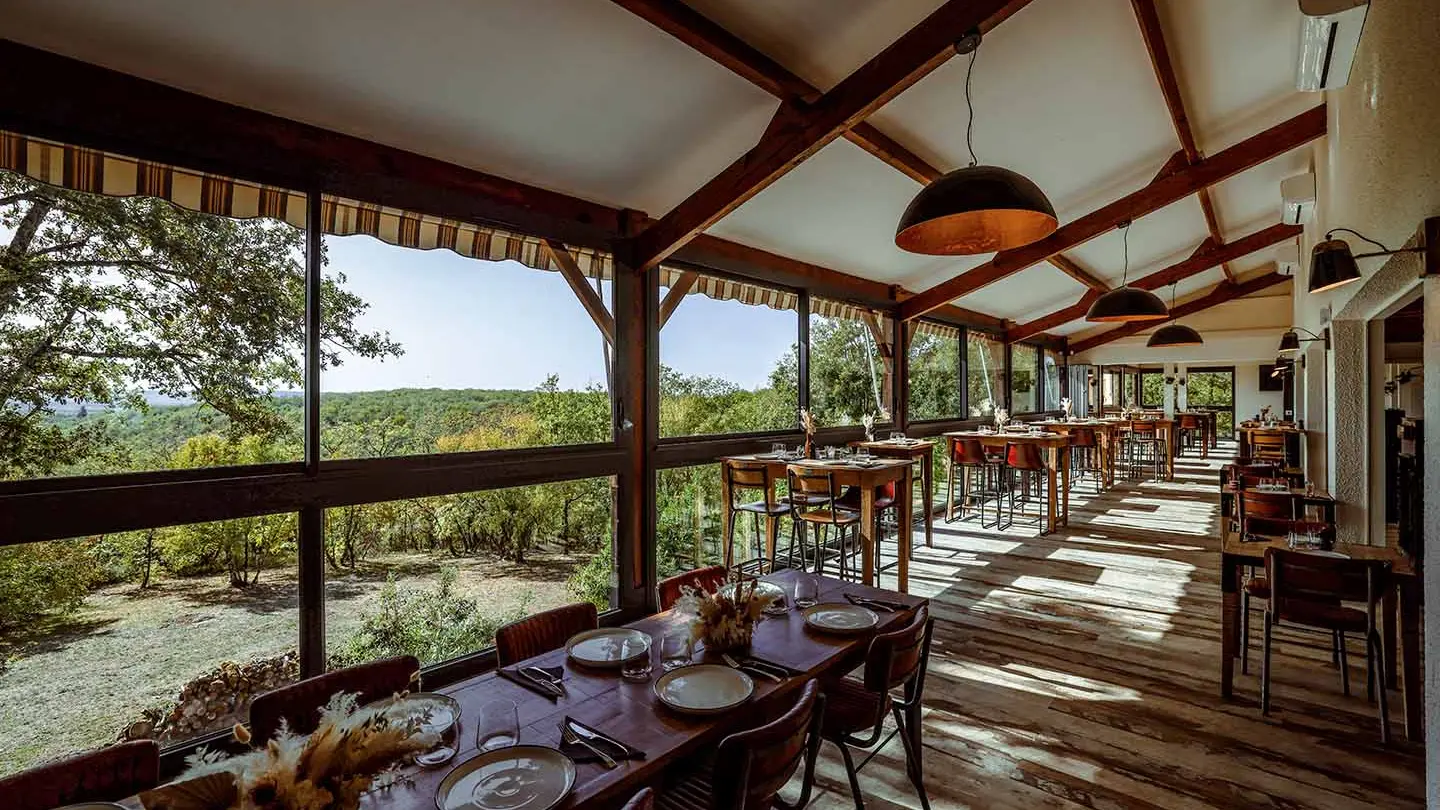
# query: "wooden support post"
[[636, 430], [589, 298]]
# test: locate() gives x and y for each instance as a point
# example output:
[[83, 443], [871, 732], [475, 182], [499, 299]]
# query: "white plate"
[[602, 647], [437, 713], [93, 806], [841, 618], [769, 589], [527, 777], [704, 689]]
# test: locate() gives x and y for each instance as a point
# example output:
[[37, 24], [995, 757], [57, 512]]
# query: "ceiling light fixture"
[[1333, 265], [1291, 340], [1174, 334], [1126, 304], [976, 209]]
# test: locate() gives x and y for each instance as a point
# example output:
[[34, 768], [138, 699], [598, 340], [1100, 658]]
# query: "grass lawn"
[[74, 684]]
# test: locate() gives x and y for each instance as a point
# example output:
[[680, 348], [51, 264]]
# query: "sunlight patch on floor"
[[1036, 681]]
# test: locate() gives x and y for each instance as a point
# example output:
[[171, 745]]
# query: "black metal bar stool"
[[745, 476], [815, 502], [967, 457], [1028, 460]]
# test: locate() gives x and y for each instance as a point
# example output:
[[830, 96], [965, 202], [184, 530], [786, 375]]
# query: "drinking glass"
[[831, 453], [635, 653], [897, 436], [675, 650], [499, 725], [778, 448], [807, 591]]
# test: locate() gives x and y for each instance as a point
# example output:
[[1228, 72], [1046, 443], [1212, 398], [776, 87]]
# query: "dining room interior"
[[718, 404]]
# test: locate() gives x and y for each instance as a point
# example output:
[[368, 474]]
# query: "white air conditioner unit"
[[1329, 35], [1287, 258], [1297, 199]]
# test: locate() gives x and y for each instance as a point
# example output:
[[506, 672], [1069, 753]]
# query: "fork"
[[571, 737], [536, 673], [733, 664]]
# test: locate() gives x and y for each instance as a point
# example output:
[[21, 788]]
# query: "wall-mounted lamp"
[[1333, 265], [1291, 340]]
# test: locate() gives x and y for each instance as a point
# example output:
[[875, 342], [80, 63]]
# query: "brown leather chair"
[[543, 632], [1268, 445], [1310, 590], [967, 457], [815, 501], [1143, 446], [707, 580], [1028, 460], [644, 800], [106, 775], [743, 477], [1085, 457], [855, 711], [299, 704], [886, 500], [751, 767], [1190, 430]]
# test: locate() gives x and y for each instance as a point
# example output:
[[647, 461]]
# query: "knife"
[[626, 751], [892, 607], [538, 674], [545, 684]]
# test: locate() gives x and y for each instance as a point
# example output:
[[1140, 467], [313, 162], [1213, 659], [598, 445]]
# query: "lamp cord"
[[1125, 241], [1330, 233], [970, 107]]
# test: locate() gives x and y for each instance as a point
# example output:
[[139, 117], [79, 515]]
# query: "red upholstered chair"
[[967, 457], [644, 800], [855, 711], [299, 703], [1028, 460], [543, 632], [751, 767], [107, 775], [708, 579]]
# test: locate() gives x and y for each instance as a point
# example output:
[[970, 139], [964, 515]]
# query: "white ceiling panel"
[[1157, 241], [1039, 289]]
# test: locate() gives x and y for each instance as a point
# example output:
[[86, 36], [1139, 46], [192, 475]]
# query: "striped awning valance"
[[81, 169]]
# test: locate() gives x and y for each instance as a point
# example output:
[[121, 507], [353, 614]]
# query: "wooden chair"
[[1268, 445], [855, 711], [1310, 590], [1190, 428], [815, 501], [886, 500], [968, 457], [744, 476], [543, 632], [644, 800], [1028, 460], [299, 704], [708, 579], [1085, 457], [106, 775], [1143, 446], [751, 767]]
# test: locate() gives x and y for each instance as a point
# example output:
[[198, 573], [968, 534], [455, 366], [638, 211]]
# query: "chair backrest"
[[644, 800], [1267, 443], [543, 632], [1082, 437], [1274, 505], [1143, 426], [106, 775], [744, 475], [299, 703], [1188, 421], [968, 451], [1298, 579], [1024, 456], [813, 484], [708, 579], [898, 658], [752, 766]]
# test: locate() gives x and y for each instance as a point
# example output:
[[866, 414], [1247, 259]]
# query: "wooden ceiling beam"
[[1154, 35], [1205, 257], [906, 61], [1072, 269], [677, 292], [587, 295], [1224, 291], [1161, 192]]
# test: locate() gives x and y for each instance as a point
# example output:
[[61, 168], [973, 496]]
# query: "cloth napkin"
[[513, 675], [864, 601], [616, 749]]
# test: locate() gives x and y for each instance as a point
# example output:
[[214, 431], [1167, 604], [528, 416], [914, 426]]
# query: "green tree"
[[103, 297], [934, 376], [38, 578]]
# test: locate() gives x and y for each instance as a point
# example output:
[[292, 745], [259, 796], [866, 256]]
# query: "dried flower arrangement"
[[868, 420], [1002, 417], [1065, 406], [807, 423], [352, 750], [724, 621]]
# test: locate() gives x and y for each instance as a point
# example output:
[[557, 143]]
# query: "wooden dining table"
[[632, 714], [846, 474], [922, 452], [1400, 604], [1057, 465], [1107, 437]]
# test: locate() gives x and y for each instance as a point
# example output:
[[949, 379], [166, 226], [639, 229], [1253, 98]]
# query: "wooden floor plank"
[[1081, 669]]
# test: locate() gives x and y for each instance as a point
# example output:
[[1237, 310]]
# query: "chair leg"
[[912, 758], [730, 540], [1377, 652], [1344, 667], [1244, 632], [1335, 647], [854, 776], [1265, 669]]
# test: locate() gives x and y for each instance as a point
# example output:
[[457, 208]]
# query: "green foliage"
[[40, 578], [847, 374], [592, 581], [934, 376], [433, 625]]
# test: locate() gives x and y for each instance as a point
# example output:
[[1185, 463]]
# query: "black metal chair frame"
[[805, 501]]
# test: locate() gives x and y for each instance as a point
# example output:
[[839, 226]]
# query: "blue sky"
[[472, 324]]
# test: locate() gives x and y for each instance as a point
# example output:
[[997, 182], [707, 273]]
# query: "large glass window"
[[1024, 382], [462, 354], [934, 371], [1152, 389], [132, 326], [1051, 363], [851, 363], [688, 520], [163, 633], [435, 577], [728, 359], [985, 359], [1213, 390]]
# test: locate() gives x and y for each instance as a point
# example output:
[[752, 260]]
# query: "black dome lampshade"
[[1332, 265], [1174, 334], [1290, 342], [977, 209], [1127, 304]]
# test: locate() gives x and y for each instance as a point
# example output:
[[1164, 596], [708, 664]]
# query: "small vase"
[[809, 447]]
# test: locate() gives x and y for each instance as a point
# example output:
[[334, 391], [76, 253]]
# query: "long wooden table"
[[1401, 602], [632, 714], [867, 479], [921, 451], [1107, 439], [1057, 465]]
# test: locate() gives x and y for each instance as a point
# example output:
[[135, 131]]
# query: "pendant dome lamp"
[[1174, 334], [1126, 304], [976, 209], [1332, 264]]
